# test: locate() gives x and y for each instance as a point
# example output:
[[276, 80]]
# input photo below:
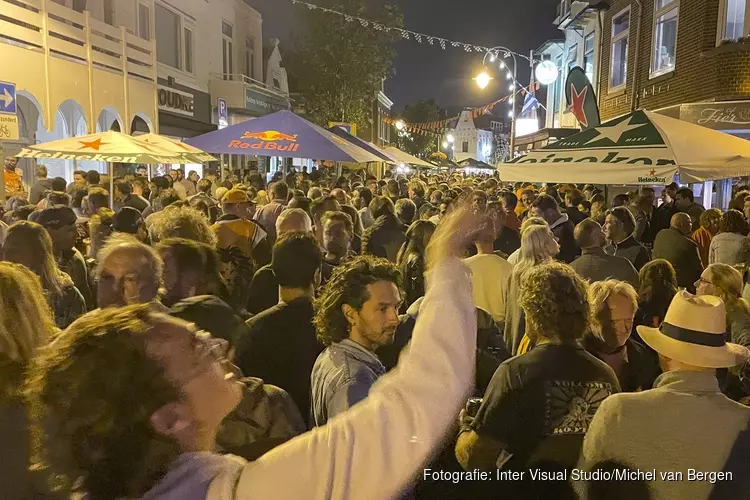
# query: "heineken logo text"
[[611, 157]]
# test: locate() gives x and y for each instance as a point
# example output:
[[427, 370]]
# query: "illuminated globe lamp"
[[483, 79], [445, 144], [400, 125], [546, 72], [450, 138]]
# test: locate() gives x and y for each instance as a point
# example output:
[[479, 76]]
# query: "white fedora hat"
[[693, 332]]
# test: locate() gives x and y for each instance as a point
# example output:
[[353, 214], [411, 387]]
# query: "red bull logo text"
[[269, 140]]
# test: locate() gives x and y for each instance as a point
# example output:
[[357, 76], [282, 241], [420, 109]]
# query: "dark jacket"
[[15, 479], [213, 315], [74, 265], [641, 370], [694, 211], [637, 254], [264, 290], [508, 242], [682, 253], [384, 238], [575, 215], [491, 349], [68, 305], [135, 201], [563, 229], [281, 348], [595, 265]]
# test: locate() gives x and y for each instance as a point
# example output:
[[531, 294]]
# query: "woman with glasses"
[[613, 305], [725, 282]]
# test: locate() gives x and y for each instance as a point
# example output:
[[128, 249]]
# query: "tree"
[[420, 112], [340, 65]]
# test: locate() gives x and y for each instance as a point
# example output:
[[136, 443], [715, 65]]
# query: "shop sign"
[[718, 115], [262, 104], [175, 101]]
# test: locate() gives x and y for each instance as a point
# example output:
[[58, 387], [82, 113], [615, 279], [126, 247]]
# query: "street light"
[[450, 138], [483, 79], [400, 125], [445, 144]]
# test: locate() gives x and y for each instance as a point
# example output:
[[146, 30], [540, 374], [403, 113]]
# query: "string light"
[[492, 58], [502, 64], [512, 87], [510, 113], [509, 76]]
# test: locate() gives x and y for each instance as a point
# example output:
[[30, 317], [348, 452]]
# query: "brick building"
[[680, 57]]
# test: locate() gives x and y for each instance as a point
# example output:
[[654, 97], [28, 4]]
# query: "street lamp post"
[[483, 80]]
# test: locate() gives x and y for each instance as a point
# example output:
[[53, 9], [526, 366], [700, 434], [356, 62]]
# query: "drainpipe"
[[599, 16], [634, 90]]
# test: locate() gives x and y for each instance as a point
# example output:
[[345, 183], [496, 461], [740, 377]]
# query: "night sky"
[[424, 71]]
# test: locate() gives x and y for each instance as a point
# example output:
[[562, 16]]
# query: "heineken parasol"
[[638, 148]]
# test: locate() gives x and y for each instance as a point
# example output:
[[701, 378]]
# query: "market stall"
[[639, 148]]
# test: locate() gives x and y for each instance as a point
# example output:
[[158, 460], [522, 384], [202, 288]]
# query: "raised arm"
[[377, 447]]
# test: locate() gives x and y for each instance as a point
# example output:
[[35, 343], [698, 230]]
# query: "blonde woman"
[[613, 306], [538, 246], [725, 282], [25, 326], [29, 244], [528, 222]]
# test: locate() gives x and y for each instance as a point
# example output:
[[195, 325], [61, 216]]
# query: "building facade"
[[76, 72], [471, 141]]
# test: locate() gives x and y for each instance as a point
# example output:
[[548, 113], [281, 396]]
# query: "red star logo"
[[653, 172], [577, 107], [92, 144]]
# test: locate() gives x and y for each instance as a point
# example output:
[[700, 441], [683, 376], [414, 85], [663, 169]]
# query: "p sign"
[[221, 104]]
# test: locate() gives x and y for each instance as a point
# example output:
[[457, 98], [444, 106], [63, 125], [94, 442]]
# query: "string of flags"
[[443, 43], [438, 129]]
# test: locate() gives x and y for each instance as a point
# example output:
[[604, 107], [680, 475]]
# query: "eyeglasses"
[[209, 350]]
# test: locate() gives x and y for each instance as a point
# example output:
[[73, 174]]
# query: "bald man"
[[674, 244]]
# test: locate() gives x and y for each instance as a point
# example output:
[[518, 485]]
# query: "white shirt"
[[490, 278], [514, 257]]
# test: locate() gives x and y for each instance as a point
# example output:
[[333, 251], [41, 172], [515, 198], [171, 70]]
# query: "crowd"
[[322, 337]]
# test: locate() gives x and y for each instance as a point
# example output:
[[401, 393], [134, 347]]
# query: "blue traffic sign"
[[223, 112], [8, 98]]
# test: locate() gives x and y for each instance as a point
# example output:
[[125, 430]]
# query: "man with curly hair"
[[538, 406], [356, 313]]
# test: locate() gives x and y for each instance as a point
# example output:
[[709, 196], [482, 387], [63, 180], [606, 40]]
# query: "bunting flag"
[[405, 34]]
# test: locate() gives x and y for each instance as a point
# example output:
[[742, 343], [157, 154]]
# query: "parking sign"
[[223, 113]]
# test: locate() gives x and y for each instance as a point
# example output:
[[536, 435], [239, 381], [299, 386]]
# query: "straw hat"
[[693, 332]]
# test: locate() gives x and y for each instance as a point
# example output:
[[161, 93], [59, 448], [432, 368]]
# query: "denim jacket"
[[342, 376]]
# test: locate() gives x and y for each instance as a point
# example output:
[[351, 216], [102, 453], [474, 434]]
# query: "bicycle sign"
[[8, 108]]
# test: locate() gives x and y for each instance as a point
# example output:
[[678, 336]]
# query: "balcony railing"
[[239, 77], [65, 33]]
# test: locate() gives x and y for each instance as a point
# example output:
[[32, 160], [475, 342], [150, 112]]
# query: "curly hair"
[[733, 222], [555, 301], [92, 422], [728, 283], [348, 285], [711, 220], [183, 222]]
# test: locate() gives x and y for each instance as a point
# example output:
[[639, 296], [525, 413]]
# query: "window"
[[250, 57], [732, 19], [665, 36], [227, 48], [188, 35], [465, 147], [167, 37], [618, 71], [144, 22], [588, 57], [572, 56], [109, 12]]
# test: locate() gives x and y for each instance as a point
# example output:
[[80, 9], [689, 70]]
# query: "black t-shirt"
[[539, 405]]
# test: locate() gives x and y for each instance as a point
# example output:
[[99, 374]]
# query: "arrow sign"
[[7, 98]]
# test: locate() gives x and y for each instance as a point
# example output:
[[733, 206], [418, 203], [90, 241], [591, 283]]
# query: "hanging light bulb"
[[492, 57], [502, 64], [512, 88], [509, 76], [510, 113]]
